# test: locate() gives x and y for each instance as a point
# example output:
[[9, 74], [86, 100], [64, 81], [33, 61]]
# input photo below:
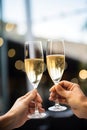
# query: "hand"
[[23, 106], [70, 94]]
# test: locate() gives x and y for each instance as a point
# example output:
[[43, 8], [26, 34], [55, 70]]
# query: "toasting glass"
[[55, 57], [34, 67]]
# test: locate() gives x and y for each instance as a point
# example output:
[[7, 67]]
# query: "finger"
[[62, 101], [28, 93], [30, 96], [60, 90], [39, 105], [31, 110], [52, 89], [66, 84], [54, 96], [38, 98], [41, 109], [32, 104]]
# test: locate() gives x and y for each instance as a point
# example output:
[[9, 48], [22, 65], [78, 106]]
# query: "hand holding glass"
[[34, 67], [55, 58]]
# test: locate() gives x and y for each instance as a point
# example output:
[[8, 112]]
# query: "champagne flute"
[[34, 67], [55, 57]]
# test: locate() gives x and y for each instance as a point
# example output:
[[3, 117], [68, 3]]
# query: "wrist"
[[84, 102], [84, 107], [6, 121]]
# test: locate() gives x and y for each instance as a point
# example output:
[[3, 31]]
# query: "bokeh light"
[[19, 65], [11, 53], [1, 41], [83, 74]]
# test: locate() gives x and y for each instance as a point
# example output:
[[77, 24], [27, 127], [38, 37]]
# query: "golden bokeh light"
[[83, 74], [11, 53], [1, 41], [19, 65], [9, 27]]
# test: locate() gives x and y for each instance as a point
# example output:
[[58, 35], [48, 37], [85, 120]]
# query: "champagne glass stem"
[[57, 105], [36, 109]]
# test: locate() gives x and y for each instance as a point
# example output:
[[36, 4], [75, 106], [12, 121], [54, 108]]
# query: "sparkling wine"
[[34, 69], [55, 65]]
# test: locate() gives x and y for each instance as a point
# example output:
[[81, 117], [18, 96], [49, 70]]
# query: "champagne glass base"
[[58, 108], [37, 115]]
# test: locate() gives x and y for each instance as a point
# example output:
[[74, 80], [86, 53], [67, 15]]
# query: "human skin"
[[70, 94], [18, 114]]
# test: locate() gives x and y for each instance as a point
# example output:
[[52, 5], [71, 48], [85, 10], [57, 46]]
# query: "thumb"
[[31, 96], [61, 91]]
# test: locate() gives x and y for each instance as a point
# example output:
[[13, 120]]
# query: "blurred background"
[[22, 20]]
